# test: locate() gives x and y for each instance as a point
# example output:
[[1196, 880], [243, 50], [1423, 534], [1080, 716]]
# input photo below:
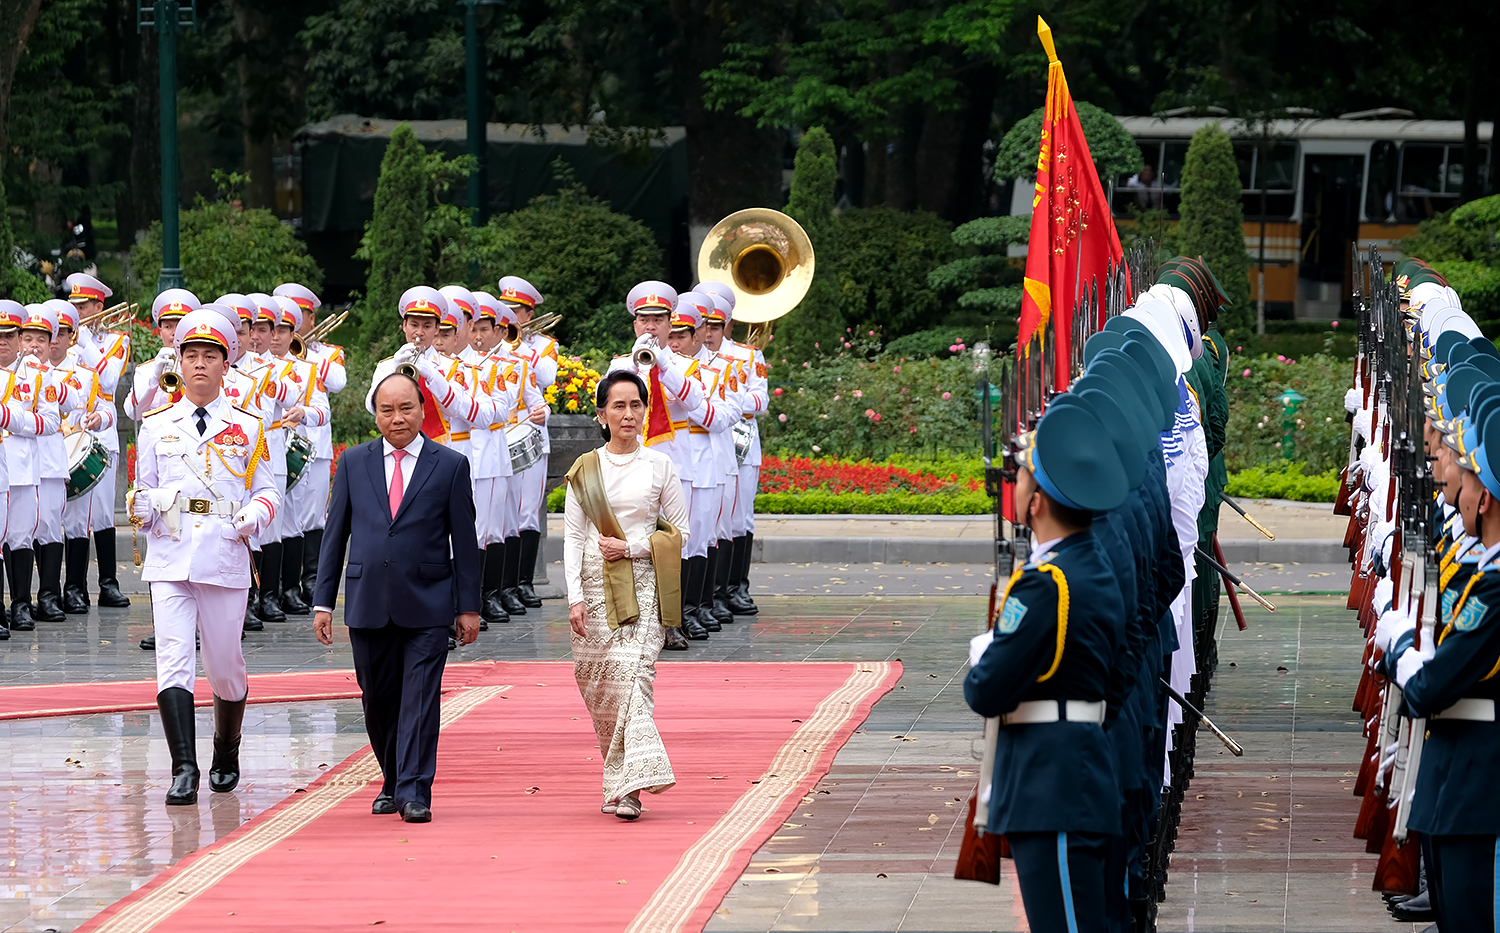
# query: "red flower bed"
[[799, 474]]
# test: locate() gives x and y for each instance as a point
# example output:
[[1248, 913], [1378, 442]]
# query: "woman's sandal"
[[609, 808], [629, 808]]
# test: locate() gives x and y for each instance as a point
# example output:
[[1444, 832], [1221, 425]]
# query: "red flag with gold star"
[[1073, 238]]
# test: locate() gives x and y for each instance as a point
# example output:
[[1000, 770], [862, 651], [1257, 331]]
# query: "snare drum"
[[87, 463], [299, 453], [525, 443], [744, 433]]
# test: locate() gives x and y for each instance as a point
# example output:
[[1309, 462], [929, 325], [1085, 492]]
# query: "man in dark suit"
[[402, 505]]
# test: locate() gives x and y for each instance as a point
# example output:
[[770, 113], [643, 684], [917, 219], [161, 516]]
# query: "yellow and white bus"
[[1330, 186]]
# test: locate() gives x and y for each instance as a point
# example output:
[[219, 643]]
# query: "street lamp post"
[[166, 17]]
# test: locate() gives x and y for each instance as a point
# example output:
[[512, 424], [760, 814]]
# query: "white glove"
[[1389, 758], [644, 340], [1392, 625], [978, 644], [247, 520], [165, 353], [141, 507], [86, 338], [1352, 399], [429, 372], [1410, 662]]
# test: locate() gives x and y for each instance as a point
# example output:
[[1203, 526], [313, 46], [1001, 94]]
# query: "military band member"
[[754, 373], [310, 495], [43, 539], [738, 362], [540, 352], [106, 354], [21, 425], [674, 391], [203, 487], [146, 393], [493, 474], [1044, 670]]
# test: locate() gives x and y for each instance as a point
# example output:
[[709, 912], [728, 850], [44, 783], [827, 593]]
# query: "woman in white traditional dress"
[[622, 553]]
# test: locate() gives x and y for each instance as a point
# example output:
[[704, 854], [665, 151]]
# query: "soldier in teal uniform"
[[1046, 670]]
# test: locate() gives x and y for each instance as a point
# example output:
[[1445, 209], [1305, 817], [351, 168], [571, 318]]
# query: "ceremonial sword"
[[1182, 701], [1234, 579]]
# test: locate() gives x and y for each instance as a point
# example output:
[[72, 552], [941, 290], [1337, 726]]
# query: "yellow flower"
[[573, 406]]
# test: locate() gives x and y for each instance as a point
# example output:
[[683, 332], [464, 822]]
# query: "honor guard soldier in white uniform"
[[495, 324], [540, 353], [106, 354], [146, 393], [755, 399], [304, 406], [674, 390], [18, 458], [310, 496], [712, 451], [48, 387], [203, 487]]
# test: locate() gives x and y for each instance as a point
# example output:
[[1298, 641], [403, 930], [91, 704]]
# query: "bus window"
[[1276, 169], [1421, 181], [1142, 190], [1380, 198], [1174, 154], [1244, 160], [1454, 183]]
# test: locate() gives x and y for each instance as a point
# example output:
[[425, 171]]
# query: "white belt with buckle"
[[205, 507], [1040, 711], [1473, 709]]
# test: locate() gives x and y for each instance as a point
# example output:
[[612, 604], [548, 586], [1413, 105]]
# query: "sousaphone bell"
[[766, 257]]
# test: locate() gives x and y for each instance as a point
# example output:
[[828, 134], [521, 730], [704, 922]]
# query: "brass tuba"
[[766, 257]]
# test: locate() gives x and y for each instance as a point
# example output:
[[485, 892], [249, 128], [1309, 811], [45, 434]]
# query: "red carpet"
[[517, 841], [42, 700]]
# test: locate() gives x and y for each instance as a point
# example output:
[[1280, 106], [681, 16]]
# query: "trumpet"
[[169, 380], [406, 367], [645, 357]]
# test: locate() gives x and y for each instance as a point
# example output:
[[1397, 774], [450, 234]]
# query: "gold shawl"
[[620, 606]]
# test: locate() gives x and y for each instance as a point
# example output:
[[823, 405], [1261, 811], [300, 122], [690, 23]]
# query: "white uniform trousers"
[[490, 510], [20, 524], [277, 529], [514, 493], [102, 512], [53, 496], [743, 521], [218, 612], [307, 503], [532, 482], [703, 516], [728, 492]]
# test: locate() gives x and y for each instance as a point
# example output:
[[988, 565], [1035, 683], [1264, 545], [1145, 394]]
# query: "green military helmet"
[[1484, 459], [1484, 347], [1069, 463], [1195, 278]]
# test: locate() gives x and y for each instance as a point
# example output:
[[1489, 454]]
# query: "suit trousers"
[[21, 521], [52, 497], [400, 674], [178, 608], [1062, 880], [1463, 874]]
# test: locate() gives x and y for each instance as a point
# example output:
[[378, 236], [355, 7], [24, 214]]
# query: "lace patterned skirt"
[[615, 671]]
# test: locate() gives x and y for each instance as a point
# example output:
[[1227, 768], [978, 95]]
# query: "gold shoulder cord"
[[1062, 616]]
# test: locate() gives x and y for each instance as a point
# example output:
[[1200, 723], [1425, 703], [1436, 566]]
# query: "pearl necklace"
[[630, 458]]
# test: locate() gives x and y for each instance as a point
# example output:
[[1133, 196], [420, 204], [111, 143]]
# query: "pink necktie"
[[398, 483]]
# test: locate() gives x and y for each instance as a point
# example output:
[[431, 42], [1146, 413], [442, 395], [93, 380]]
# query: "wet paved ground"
[[1265, 843]]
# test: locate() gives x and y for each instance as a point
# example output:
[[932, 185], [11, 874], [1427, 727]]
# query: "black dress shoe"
[[4, 633], [738, 605], [528, 596], [490, 609], [453, 644], [75, 601], [20, 618], [148, 643], [675, 641], [292, 604], [692, 629], [416, 813], [270, 608], [49, 608], [252, 624], [384, 805], [510, 601], [110, 596], [705, 619], [720, 611]]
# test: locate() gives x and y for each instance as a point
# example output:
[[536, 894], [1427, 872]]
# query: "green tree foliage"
[[584, 258], [885, 259], [820, 316], [1213, 222], [15, 283], [1464, 246], [985, 279], [1115, 151], [394, 237], [227, 250]]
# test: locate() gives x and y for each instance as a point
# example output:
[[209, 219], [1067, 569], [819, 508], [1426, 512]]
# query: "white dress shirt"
[[408, 464]]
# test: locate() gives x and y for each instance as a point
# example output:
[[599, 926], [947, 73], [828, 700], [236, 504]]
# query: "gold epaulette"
[[246, 412], [157, 411]]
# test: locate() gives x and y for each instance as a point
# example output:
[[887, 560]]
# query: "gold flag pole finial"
[[1044, 32]]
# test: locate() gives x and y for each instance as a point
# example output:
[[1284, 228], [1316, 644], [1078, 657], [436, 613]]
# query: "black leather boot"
[[75, 597], [291, 577], [148, 643], [715, 591], [510, 583], [311, 548], [703, 593], [252, 621], [706, 593], [269, 609], [691, 627], [176, 707], [742, 574], [18, 564], [736, 602], [493, 576], [49, 562], [110, 596], [224, 773], [531, 543]]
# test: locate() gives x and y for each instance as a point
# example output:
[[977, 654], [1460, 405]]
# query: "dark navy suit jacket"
[[399, 569]]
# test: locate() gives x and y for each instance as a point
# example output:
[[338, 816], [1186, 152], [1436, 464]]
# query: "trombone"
[[318, 334], [109, 318], [516, 334]]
